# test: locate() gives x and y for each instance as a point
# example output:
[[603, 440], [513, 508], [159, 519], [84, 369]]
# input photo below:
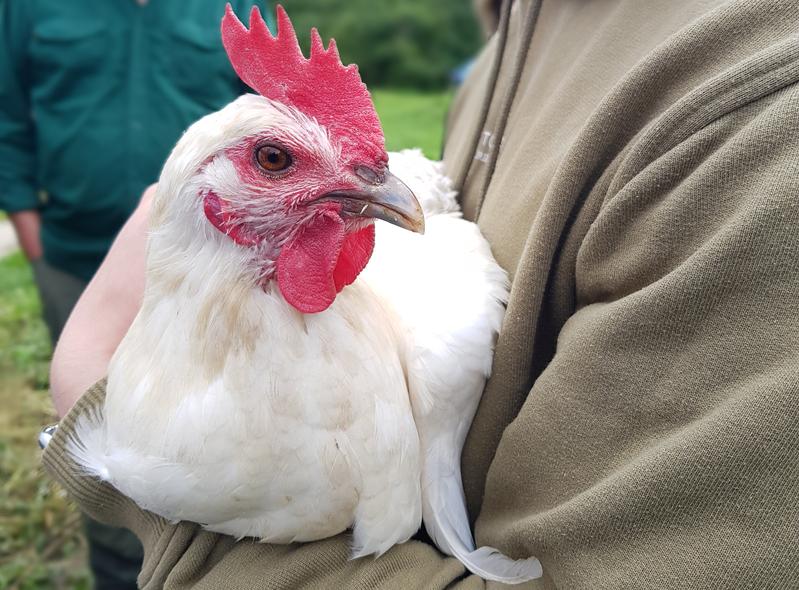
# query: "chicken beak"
[[383, 197]]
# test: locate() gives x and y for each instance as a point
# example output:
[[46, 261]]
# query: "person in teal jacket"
[[93, 95]]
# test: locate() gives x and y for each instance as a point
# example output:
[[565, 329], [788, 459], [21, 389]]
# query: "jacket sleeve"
[[17, 134], [660, 448], [183, 556]]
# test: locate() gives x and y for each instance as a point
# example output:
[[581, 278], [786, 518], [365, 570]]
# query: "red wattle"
[[321, 261], [355, 253], [305, 266]]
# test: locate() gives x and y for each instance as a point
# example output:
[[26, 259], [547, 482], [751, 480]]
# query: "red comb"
[[321, 86]]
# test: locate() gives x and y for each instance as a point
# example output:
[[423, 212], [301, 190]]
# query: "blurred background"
[[410, 53]]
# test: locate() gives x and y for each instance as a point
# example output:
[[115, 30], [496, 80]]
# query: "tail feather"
[[447, 523], [87, 444], [490, 564]]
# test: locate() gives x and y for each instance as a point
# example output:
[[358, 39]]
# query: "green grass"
[[412, 119], [40, 542], [24, 346]]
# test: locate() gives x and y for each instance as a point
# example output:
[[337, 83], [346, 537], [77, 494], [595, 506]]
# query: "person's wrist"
[[35, 254], [27, 225]]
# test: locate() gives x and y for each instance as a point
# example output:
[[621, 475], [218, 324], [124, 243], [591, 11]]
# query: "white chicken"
[[262, 390]]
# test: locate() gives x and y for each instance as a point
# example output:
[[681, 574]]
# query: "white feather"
[[450, 295]]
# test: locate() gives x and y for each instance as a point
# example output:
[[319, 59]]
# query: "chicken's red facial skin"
[[308, 247]]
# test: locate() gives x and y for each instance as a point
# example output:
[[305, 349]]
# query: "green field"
[[40, 542], [412, 119]]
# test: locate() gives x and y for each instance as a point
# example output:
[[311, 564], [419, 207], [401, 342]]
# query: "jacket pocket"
[[197, 63], [61, 46]]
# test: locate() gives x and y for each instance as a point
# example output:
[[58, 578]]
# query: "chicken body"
[[228, 407]]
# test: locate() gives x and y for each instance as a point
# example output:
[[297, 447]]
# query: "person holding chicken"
[[631, 165]]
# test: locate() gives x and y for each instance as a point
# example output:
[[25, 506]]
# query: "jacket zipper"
[[530, 21]]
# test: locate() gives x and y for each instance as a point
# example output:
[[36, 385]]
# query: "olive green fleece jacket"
[[635, 166]]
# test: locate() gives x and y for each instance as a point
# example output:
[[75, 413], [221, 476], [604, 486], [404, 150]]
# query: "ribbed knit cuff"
[[96, 498]]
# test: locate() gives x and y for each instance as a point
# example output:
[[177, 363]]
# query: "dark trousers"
[[115, 555]]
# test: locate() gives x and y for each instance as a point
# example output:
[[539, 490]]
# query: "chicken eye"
[[272, 158]]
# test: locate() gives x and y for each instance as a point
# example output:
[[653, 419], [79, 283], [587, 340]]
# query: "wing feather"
[[450, 296]]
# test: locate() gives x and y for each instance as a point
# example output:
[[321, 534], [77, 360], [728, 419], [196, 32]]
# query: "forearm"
[[27, 225], [102, 315]]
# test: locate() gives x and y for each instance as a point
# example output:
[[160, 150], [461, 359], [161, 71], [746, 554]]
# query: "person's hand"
[[28, 226], [103, 314]]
